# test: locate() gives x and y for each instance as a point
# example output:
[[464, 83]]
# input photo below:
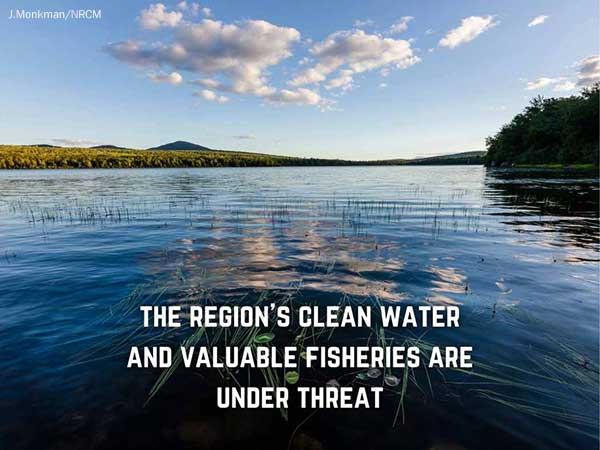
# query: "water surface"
[[518, 250]]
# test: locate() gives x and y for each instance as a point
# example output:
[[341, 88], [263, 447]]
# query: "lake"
[[518, 250]]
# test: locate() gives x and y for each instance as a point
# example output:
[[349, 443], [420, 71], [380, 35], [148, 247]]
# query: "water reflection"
[[260, 256], [540, 201], [518, 251]]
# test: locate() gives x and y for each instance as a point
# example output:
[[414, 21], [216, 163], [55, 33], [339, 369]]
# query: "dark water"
[[517, 250]]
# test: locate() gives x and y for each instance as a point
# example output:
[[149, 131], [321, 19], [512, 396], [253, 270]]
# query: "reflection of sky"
[[448, 280], [391, 232], [263, 257], [341, 233], [309, 252]]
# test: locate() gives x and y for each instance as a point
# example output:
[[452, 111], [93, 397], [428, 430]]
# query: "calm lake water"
[[79, 250]]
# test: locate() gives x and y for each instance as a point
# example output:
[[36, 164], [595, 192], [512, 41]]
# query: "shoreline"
[[37, 157]]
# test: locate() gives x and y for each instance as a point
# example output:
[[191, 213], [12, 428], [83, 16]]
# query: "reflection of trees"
[[548, 201]]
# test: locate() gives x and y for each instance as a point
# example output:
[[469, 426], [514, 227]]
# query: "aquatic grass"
[[177, 360], [555, 415], [557, 379], [508, 385]]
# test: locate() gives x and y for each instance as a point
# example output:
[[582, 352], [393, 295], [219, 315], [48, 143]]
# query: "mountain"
[[472, 157], [180, 145], [116, 147]]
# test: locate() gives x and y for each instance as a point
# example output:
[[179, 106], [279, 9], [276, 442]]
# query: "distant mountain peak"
[[115, 147], [180, 145]]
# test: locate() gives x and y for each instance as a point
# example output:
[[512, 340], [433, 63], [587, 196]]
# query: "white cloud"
[[469, 29], [170, 78], [284, 96], [363, 23], [537, 21], [354, 52], [565, 86], [236, 58], [299, 96], [588, 71], [212, 96], [401, 26], [209, 83], [382, 85], [343, 81], [193, 8], [429, 31], [75, 142], [239, 53], [304, 61], [157, 16], [542, 82], [310, 76]]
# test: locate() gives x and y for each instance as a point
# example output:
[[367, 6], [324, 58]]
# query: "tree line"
[[34, 157], [562, 131], [48, 157]]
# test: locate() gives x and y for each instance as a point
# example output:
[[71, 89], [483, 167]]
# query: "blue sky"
[[354, 79]]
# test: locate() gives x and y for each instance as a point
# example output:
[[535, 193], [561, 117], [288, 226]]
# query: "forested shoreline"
[[550, 132], [47, 157]]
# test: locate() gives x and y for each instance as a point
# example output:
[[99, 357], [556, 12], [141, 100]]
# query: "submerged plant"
[[264, 338], [292, 377]]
